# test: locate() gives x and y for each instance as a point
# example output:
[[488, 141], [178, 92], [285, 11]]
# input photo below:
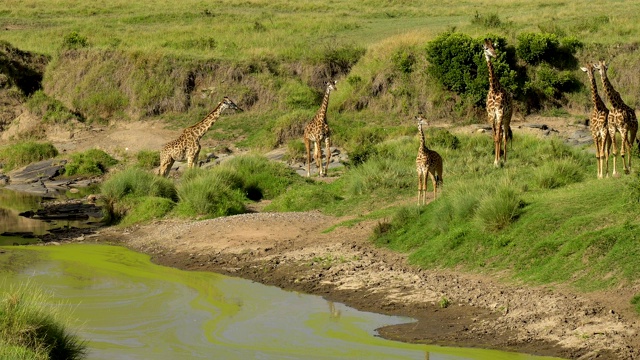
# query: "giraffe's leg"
[[307, 146], [505, 135], [165, 167], [317, 153], [631, 141], [606, 149], [497, 137], [327, 142], [598, 154], [433, 181], [624, 147], [612, 134], [419, 188]]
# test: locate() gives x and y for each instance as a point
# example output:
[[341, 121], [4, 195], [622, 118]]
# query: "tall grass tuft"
[[208, 194], [261, 178], [31, 330], [119, 189], [24, 153]]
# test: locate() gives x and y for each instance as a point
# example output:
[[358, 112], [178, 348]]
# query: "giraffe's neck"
[[597, 101], [612, 94], [494, 83], [201, 128], [321, 116], [423, 146]]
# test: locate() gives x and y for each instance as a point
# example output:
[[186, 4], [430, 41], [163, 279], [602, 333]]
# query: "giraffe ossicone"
[[187, 145], [317, 131]]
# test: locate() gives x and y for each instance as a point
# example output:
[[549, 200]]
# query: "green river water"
[[129, 308]]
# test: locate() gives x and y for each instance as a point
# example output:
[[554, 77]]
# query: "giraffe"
[[427, 162], [599, 126], [499, 107], [316, 131], [622, 118], [187, 145]]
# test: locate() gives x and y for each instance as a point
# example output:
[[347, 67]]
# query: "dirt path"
[[294, 251]]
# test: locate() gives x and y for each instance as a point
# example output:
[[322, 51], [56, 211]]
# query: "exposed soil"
[[295, 251]]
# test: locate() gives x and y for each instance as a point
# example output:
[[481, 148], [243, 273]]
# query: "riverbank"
[[294, 251]]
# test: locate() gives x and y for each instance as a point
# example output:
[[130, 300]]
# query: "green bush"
[[89, 163], [403, 60], [31, 330], [304, 198], [556, 174], [457, 63], [341, 59], [534, 48], [74, 40], [147, 208], [441, 138], [21, 154]]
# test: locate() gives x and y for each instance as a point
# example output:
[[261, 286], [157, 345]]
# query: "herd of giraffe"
[[603, 125]]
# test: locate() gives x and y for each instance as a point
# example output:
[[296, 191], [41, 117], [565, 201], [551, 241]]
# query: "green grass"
[[24, 153], [93, 162], [29, 329]]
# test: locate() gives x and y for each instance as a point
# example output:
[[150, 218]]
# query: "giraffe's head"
[[489, 51], [421, 121], [228, 104], [331, 85], [588, 69], [602, 67]]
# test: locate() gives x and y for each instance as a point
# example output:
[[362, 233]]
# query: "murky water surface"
[[129, 308]]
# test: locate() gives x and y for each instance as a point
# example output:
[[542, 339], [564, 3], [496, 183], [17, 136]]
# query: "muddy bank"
[[294, 251]]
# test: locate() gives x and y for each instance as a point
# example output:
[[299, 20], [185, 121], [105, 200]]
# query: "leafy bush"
[[534, 48], [22, 154], [550, 82], [89, 163], [304, 198], [457, 62], [441, 138], [404, 59], [147, 208]]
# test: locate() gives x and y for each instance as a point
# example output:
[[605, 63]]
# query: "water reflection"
[[132, 309]]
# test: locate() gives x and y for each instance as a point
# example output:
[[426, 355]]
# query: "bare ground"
[[293, 251]]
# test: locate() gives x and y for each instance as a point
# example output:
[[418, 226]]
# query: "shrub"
[[73, 40], [556, 174], [304, 198], [441, 138], [404, 59], [22, 154], [534, 48], [89, 163], [457, 63]]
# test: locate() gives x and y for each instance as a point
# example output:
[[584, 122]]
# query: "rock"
[[46, 169]]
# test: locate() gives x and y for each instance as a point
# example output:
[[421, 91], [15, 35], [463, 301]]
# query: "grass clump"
[[93, 162], [24, 153], [208, 194], [147, 159], [30, 330], [124, 190]]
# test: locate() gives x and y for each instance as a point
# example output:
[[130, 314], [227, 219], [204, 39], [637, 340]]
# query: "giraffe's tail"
[[439, 180]]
